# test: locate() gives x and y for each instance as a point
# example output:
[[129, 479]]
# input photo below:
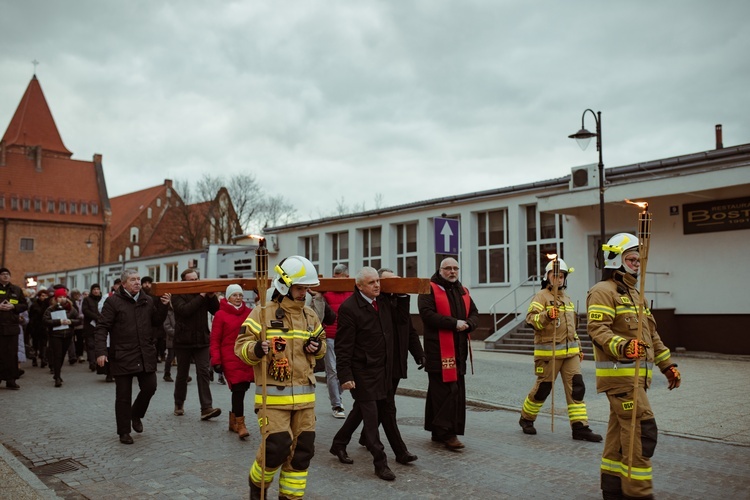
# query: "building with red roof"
[[50, 203]]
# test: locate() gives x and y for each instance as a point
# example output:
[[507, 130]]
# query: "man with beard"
[[449, 315]]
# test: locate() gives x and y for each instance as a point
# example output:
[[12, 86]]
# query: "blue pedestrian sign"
[[446, 236]]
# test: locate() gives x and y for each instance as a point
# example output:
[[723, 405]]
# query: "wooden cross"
[[35, 63], [387, 285]]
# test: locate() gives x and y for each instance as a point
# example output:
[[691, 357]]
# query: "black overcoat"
[[191, 312], [364, 347], [130, 324]]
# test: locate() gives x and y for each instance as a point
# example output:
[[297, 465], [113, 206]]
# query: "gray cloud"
[[427, 98]]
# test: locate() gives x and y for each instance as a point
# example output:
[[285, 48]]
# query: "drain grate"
[[64, 465]]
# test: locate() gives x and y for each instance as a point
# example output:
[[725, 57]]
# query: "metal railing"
[[514, 312], [654, 283]]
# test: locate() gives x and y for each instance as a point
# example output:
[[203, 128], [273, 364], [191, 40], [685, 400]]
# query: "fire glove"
[[636, 349], [673, 376], [553, 312], [218, 369]]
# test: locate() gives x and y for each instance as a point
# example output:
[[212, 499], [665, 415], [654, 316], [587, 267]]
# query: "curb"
[[25, 475]]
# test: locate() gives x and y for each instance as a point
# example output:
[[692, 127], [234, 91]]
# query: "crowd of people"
[[362, 340]]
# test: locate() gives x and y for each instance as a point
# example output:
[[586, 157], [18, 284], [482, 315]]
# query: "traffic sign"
[[446, 236]]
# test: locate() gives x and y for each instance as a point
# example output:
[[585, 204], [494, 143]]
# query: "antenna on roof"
[[35, 63]]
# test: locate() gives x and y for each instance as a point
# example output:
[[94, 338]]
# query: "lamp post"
[[583, 137], [89, 242]]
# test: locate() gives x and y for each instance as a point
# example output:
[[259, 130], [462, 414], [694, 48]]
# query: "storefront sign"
[[717, 215]]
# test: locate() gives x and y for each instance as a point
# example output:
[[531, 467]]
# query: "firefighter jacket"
[[559, 333], [289, 380], [612, 322]]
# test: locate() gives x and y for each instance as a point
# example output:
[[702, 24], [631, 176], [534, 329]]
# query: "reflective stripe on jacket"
[[559, 333], [612, 322]]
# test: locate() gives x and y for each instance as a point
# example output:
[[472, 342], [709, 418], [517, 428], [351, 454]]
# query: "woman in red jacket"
[[224, 330]]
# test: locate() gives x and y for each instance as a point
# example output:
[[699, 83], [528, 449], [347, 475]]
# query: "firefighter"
[[295, 339], [554, 323], [613, 318]]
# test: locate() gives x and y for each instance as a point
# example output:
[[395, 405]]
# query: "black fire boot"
[[584, 433], [255, 492], [527, 426]]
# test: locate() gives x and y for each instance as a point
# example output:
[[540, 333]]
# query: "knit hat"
[[61, 292], [232, 289]]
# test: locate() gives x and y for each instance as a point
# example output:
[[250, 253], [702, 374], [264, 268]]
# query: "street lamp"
[[90, 242], [583, 138]]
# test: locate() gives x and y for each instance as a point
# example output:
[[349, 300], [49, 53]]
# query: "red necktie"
[[375, 304]]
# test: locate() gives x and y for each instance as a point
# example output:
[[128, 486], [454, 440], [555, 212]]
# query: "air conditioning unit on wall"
[[584, 177]]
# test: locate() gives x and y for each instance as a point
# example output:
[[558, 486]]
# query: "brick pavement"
[[182, 457]]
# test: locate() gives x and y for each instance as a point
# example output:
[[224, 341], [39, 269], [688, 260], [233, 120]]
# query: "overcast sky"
[[410, 99]]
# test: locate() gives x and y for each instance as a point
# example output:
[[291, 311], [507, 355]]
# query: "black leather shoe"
[[12, 385], [137, 425], [58, 382], [406, 458], [385, 473], [341, 455], [126, 439]]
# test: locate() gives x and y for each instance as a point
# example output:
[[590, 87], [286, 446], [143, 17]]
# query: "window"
[[339, 249], [94, 209], [134, 234], [406, 250], [154, 271], [371, 247], [73, 207], [2, 201], [544, 232], [492, 247], [84, 208], [26, 204], [51, 206], [173, 273], [311, 250], [148, 213], [62, 206], [37, 205], [27, 244], [14, 203], [158, 202]]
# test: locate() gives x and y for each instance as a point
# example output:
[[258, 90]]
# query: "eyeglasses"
[[633, 260], [450, 268]]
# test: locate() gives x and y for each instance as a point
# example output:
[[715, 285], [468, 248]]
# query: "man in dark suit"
[[364, 347]]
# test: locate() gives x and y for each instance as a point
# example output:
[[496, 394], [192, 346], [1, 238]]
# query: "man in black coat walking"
[[129, 317], [364, 350], [192, 338]]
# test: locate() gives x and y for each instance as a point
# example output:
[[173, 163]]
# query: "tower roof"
[[33, 125]]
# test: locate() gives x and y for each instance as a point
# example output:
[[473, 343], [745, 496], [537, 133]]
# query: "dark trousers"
[[202, 360], [238, 398], [168, 362], [58, 346], [88, 341], [9, 357], [124, 412], [39, 342], [387, 418], [367, 412]]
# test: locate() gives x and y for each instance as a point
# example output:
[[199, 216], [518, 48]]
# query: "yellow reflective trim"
[[600, 308], [662, 356], [535, 306], [621, 372], [637, 473], [285, 400], [547, 353]]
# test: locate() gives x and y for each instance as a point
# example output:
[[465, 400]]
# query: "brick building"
[[50, 203]]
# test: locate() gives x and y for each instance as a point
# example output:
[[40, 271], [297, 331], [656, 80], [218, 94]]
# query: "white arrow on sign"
[[447, 233]]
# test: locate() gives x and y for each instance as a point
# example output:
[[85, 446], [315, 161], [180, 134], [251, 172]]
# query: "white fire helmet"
[[615, 247], [564, 269], [295, 270]]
